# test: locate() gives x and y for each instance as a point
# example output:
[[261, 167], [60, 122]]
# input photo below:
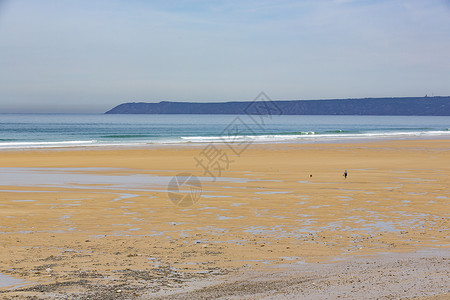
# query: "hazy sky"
[[88, 56]]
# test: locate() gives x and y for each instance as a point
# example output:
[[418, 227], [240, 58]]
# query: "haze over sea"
[[21, 131]]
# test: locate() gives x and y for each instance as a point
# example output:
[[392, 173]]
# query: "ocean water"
[[20, 131]]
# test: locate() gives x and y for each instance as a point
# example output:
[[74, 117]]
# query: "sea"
[[24, 131]]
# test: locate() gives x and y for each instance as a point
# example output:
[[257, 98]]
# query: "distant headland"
[[397, 106]]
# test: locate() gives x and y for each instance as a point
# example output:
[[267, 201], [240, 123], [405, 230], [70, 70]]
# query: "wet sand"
[[98, 223]]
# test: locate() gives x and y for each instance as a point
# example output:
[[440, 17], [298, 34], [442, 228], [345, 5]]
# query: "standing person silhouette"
[[345, 174]]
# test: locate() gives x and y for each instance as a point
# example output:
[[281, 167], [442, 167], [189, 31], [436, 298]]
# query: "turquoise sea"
[[20, 131]]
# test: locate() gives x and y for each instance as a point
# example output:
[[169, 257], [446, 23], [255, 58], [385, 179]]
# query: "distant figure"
[[345, 174], [310, 175]]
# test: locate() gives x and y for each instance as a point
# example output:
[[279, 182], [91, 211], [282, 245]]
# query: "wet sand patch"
[[119, 231]]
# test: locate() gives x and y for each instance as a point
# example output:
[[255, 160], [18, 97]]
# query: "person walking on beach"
[[345, 174]]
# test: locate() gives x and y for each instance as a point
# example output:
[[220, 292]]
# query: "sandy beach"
[[280, 221]]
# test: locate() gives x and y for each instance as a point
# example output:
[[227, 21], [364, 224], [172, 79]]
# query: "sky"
[[85, 56]]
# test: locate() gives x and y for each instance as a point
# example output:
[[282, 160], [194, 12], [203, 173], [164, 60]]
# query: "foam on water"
[[310, 137]]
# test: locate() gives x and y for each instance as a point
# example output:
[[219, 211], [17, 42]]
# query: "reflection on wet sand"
[[119, 217]]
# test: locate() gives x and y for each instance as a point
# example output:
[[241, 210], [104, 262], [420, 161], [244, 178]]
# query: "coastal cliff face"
[[413, 106]]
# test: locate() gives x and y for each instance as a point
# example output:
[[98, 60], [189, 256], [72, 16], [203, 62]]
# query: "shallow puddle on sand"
[[8, 281], [23, 200], [273, 192], [415, 179], [215, 196], [101, 179], [68, 177], [228, 218], [124, 196], [237, 204], [211, 207]]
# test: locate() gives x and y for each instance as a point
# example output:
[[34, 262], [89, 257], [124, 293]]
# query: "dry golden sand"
[[396, 199]]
